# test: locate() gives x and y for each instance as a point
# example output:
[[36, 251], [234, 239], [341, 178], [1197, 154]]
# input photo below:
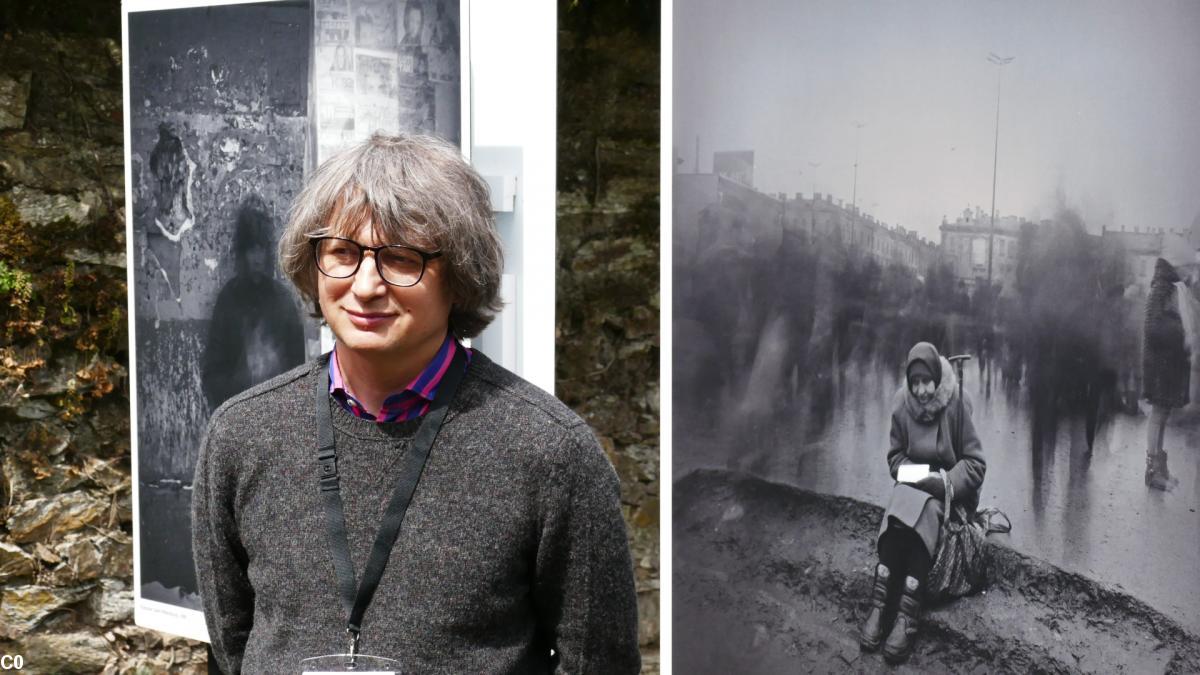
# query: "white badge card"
[[360, 664], [911, 473]]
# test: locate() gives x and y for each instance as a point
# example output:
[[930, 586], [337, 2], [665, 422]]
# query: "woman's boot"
[[1158, 477], [870, 634], [908, 621]]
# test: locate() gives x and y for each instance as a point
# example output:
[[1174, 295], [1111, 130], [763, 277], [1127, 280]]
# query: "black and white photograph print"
[[936, 326], [230, 106], [218, 145]]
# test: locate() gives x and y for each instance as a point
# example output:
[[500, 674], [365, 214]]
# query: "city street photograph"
[[936, 328]]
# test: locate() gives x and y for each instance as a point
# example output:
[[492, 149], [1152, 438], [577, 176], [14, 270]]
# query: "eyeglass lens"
[[397, 265]]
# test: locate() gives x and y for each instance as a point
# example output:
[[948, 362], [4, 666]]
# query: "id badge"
[[361, 664]]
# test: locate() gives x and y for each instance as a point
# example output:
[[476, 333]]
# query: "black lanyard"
[[356, 598]]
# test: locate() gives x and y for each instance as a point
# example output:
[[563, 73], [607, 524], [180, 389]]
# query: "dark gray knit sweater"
[[513, 544]]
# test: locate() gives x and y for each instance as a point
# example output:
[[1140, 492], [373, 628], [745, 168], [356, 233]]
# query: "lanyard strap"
[[355, 597]]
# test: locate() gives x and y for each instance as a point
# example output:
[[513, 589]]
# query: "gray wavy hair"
[[417, 191]]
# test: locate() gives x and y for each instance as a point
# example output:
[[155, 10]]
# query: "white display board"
[[513, 96]]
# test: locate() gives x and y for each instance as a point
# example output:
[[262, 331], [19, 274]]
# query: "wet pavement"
[[1087, 512]]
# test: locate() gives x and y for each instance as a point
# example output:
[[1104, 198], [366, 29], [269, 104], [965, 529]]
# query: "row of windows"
[[976, 248], [882, 248]]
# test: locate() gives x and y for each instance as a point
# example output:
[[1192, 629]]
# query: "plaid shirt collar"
[[409, 403]]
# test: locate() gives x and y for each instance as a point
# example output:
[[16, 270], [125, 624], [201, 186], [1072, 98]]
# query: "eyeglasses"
[[397, 265]]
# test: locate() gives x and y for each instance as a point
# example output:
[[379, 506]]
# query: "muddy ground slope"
[[771, 578]]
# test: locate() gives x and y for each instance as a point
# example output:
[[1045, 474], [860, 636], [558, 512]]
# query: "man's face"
[[378, 320], [922, 386]]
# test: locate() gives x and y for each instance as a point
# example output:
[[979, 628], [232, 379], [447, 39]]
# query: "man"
[[510, 553]]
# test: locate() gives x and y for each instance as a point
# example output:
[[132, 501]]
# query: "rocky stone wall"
[[608, 273], [65, 545]]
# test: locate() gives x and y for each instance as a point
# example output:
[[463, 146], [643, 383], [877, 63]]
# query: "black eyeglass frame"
[[426, 256]]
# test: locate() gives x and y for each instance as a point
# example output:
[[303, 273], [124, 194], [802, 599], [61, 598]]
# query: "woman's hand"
[[933, 485]]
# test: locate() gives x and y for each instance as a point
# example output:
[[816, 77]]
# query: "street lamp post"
[[854, 193], [999, 62]]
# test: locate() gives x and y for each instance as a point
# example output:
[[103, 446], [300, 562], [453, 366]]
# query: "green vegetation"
[[15, 283], [51, 306]]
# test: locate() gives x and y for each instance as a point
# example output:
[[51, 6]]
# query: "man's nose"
[[367, 281]]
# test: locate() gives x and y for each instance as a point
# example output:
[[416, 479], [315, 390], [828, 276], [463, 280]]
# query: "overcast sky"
[[1099, 110]]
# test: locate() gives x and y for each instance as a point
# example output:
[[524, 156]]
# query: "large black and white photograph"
[[222, 101], [936, 328]]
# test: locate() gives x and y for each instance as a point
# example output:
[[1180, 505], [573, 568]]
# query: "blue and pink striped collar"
[[409, 403]]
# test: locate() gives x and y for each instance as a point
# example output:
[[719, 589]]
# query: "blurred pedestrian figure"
[[929, 428], [1165, 368], [255, 333]]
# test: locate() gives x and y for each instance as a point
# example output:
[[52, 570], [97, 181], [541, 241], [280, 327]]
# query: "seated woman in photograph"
[[926, 421]]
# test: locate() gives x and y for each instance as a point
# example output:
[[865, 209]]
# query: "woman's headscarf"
[[924, 354], [927, 355], [1164, 273]]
